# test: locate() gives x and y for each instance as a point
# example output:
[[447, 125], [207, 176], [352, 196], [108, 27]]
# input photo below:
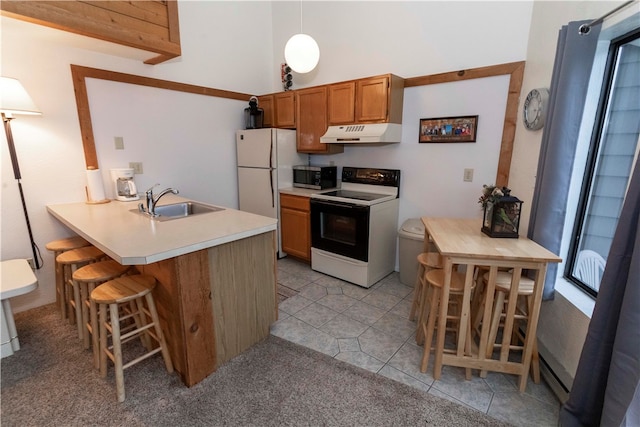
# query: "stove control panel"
[[388, 177]]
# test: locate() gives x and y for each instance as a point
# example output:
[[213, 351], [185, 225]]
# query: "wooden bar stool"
[[426, 261], [435, 281], [511, 334], [87, 278], [109, 297], [70, 262], [57, 247]]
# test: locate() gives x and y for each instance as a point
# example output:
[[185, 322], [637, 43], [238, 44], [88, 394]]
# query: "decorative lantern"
[[253, 115], [502, 216]]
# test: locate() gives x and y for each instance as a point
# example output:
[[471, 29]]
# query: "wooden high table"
[[460, 242]]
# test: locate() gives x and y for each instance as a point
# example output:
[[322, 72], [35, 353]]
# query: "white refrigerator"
[[265, 164]]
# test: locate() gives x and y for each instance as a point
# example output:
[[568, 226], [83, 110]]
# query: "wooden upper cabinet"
[[342, 100], [379, 99], [284, 110], [311, 112], [147, 25], [266, 103], [279, 110]]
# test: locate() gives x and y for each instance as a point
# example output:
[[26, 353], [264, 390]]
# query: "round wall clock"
[[535, 108]]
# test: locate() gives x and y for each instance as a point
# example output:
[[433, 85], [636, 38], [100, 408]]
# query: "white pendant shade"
[[14, 99], [302, 53]]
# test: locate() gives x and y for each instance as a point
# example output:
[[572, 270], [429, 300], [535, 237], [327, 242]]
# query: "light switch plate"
[[119, 141], [468, 175]]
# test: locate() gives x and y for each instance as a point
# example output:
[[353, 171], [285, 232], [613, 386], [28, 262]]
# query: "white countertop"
[[134, 239], [16, 278]]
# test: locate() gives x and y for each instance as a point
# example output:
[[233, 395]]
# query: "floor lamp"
[[14, 99]]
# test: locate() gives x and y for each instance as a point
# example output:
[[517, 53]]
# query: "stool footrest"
[[141, 358]]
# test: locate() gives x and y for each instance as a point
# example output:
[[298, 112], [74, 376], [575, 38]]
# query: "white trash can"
[[411, 244]]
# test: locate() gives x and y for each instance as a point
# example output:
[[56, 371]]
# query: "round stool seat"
[[503, 283], [100, 271], [62, 245], [123, 289], [430, 259], [436, 278], [80, 255]]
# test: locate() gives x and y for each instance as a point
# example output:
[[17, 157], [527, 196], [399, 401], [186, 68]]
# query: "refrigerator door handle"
[[273, 198], [271, 156], [273, 201]]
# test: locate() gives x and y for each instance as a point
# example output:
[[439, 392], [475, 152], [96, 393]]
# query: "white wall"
[[415, 38], [235, 46], [182, 141]]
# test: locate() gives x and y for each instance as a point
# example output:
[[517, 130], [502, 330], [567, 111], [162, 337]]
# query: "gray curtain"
[[567, 92], [606, 387]]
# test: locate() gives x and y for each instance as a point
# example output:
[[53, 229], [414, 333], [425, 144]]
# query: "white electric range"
[[353, 229]]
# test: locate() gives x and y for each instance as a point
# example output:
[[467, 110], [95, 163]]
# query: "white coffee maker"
[[123, 186]]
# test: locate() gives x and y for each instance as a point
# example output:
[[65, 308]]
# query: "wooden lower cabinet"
[[295, 226]]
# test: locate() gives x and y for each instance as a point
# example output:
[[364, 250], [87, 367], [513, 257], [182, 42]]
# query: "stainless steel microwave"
[[315, 177]]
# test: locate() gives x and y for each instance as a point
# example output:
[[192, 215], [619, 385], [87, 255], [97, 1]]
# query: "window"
[[613, 152]]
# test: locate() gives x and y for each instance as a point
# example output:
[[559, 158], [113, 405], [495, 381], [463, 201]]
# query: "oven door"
[[340, 228]]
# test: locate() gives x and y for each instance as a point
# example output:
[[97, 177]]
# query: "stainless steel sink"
[[179, 210]]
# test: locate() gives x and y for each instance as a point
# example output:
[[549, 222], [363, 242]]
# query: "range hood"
[[377, 133]]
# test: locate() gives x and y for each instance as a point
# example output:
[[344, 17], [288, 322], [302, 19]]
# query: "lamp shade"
[[14, 99], [302, 53]]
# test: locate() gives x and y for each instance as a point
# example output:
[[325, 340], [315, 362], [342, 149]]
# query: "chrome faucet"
[[152, 201]]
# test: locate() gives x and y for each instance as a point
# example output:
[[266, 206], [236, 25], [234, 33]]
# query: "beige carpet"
[[51, 382]]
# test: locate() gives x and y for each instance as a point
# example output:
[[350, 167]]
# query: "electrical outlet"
[[468, 175], [31, 263], [136, 166], [119, 141]]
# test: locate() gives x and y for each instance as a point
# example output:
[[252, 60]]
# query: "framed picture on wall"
[[448, 129]]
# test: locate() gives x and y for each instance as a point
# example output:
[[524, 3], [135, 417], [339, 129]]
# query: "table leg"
[[532, 324], [464, 326], [487, 315]]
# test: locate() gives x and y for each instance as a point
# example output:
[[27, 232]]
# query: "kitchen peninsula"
[[216, 274]]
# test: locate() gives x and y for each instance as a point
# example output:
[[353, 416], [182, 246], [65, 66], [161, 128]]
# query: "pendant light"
[[301, 51]]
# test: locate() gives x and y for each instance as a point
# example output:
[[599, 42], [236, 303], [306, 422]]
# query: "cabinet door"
[[296, 233], [341, 106], [284, 110], [266, 103], [311, 110], [372, 100]]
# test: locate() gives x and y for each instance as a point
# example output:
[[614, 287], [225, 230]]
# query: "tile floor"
[[369, 328]]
